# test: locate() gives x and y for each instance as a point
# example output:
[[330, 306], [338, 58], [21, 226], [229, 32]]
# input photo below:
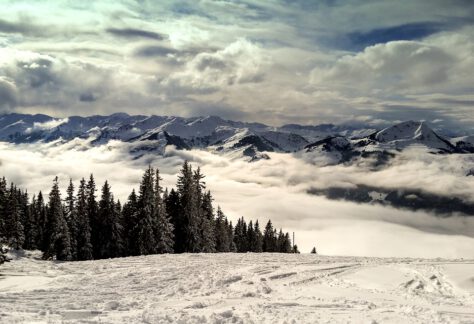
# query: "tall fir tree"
[[174, 211], [164, 228], [146, 241], [42, 221], [188, 195], [71, 217], [92, 209], [222, 232], [269, 238], [208, 240], [14, 226], [258, 238], [129, 224], [110, 243], [59, 244], [83, 234]]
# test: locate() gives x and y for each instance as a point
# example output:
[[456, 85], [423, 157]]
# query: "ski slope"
[[237, 288]]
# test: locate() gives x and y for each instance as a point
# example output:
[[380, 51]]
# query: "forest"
[[154, 220]]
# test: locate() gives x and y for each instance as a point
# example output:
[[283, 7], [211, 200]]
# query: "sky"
[[275, 62]]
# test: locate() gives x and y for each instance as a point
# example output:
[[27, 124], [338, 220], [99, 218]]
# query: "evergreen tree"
[[174, 211], [269, 238], [71, 218], [188, 195], [146, 241], [258, 245], [129, 221], [164, 229], [110, 242], [208, 240], [222, 232], [31, 225], [14, 227], [3, 213], [313, 250], [83, 234], [93, 216], [59, 245], [42, 221], [251, 238]]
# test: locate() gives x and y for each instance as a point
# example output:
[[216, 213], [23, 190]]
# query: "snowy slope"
[[238, 288], [410, 133]]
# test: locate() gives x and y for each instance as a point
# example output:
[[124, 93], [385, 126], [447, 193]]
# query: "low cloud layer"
[[276, 189]]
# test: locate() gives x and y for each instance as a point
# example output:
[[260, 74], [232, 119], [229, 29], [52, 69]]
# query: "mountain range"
[[340, 143]]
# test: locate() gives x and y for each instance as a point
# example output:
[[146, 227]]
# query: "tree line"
[[83, 226]]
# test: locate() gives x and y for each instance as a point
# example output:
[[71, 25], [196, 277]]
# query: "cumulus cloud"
[[240, 62], [275, 189]]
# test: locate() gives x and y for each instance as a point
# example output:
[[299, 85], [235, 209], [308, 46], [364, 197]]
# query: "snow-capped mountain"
[[237, 139]]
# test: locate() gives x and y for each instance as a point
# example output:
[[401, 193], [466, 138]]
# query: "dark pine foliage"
[[80, 227]]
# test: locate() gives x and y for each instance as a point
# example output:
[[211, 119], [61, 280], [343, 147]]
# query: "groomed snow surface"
[[237, 288]]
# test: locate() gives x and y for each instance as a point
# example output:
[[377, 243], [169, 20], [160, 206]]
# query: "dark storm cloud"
[[136, 33]]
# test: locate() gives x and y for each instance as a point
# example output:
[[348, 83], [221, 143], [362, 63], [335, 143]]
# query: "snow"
[[237, 288]]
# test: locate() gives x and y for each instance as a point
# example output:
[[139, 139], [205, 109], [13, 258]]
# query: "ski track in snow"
[[237, 288]]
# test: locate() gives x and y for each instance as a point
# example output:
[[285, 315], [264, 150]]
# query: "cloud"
[[239, 63], [46, 125], [276, 189], [8, 95], [135, 33]]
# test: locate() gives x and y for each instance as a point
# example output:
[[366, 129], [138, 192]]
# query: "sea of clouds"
[[277, 189]]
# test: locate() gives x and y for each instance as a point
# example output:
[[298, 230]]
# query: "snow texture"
[[237, 288]]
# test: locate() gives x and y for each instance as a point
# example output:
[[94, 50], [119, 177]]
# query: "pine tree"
[[129, 221], [251, 238], [3, 214], [208, 240], [269, 238], [93, 216], [110, 243], [164, 229], [146, 241], [14, 227], [31, 225], [221, 232], [83, 234], [174, 211], [313, 250], [188, 195], [59, 245], [42, 221], [71, 218], [258, 247]]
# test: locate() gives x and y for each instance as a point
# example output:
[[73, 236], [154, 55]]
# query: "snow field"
[[237, 288]]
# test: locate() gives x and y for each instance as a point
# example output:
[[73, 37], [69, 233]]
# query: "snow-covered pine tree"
[[188, 196], [93, 215], [83, 235], [59, 244], [163, 229], [71, 217], [146, 241]]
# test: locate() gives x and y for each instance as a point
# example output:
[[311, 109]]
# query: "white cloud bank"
[[275, 189]]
